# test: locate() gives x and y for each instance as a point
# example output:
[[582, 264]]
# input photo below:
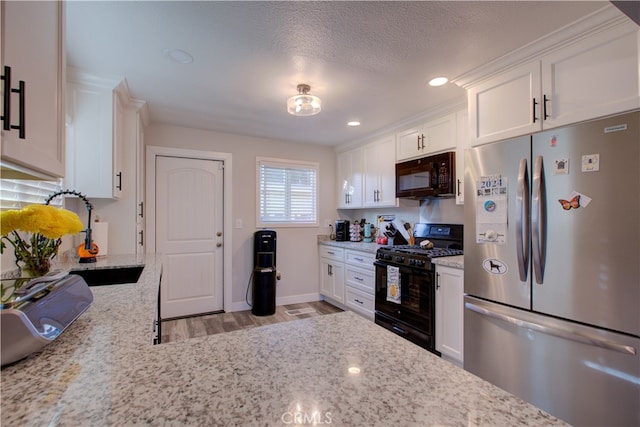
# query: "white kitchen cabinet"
[[450, 313], [332, 272], [95, 134], [140, 173], [360, 282], [33, 53], [380, 173], [462, 143], [591, 77], [349, 179], [434, 136]]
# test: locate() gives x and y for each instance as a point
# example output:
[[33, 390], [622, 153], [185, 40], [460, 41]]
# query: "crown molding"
[[452, 106], [596, 22]]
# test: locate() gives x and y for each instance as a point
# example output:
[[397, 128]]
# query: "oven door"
[[417, 295]]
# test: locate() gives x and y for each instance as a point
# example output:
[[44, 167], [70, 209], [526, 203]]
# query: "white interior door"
[[189, 226]]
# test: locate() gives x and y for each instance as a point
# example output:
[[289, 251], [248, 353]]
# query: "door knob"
[[219, 233], [218, 244]]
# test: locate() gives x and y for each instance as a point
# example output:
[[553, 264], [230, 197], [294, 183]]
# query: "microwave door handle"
[[538, 221], [522, 220]]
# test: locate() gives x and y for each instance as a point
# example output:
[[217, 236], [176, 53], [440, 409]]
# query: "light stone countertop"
[[104, 371], [456, 261], [370, 247], [450, 261]]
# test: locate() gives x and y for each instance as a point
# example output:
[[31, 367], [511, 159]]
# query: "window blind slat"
[[287, 193], [17, 193]]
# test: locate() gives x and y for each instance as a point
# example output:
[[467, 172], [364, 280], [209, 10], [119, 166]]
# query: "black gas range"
[[405, 282]]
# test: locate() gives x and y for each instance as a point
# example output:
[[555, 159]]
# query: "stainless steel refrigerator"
[[552, 269]]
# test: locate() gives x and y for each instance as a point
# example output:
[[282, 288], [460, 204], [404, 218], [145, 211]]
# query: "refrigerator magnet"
[[561, 167], [494, 266], [576, 200], [591, 163]]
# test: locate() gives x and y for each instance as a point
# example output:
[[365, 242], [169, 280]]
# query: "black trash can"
[[264, 291]]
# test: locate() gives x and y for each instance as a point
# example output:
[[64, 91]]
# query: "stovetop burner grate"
[[418, 250]]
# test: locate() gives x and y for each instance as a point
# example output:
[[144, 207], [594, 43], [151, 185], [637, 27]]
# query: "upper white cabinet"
[[33, 59], [95, 134], [432, 137], [380, 173], [505, 106], [588, 77], [349, 179]]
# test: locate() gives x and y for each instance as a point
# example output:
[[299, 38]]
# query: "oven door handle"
[[399, 330]]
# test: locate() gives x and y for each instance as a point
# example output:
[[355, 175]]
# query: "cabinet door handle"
[[437, 281], [119, 185], [141, 205], [458, 187], [6, 101], [535, 104], [359, 259], [358, 301], [418, 138], [330, 270], [544, 106], [358, 278], [21, 110], [141, 234], [7, 90], [423, 141]]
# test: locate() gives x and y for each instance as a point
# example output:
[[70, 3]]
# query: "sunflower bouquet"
[[44, 226]]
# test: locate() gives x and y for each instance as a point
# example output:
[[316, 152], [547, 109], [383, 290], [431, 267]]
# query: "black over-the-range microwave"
[[427, 177]]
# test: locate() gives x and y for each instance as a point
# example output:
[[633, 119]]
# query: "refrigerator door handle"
[[560, 332], [538, 221], [522, 221]]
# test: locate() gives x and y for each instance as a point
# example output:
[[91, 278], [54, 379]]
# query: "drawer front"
[[360, 302], [361, 279], [361, 259], [331, 252]]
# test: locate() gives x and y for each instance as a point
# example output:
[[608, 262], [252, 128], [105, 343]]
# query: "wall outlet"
[[327, 223]]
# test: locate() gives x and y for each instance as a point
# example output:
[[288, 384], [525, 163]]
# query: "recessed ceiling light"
[[438, 81], [353, 123], [178, 55]]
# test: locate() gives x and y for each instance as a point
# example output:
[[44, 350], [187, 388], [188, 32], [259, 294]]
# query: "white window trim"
[[290, 164]]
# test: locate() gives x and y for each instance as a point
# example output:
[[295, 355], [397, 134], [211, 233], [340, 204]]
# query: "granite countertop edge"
[[104, 370]]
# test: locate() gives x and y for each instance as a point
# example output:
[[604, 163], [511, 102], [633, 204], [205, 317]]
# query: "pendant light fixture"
[[304, 104]]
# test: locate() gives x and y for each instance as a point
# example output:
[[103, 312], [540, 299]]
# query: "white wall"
[[297, 253]]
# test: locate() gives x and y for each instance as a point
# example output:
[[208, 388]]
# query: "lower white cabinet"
[[360, 282], [347, 279], [450, 313], [360, 302], [332, 273]]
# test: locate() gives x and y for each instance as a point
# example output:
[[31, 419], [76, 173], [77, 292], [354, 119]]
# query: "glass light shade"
[[304, 105]]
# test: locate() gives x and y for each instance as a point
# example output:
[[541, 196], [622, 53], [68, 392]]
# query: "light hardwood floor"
[[198, 326]]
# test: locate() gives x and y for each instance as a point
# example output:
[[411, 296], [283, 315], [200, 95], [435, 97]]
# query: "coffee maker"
[[342, 230]]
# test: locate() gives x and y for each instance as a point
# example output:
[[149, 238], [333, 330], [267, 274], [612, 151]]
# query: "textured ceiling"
[[368, 61]]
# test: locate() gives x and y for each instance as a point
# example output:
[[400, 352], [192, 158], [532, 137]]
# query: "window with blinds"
[[17, 193], [287, 193]]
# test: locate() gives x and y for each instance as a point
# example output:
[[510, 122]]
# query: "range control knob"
[[412, 261], [400, 259]]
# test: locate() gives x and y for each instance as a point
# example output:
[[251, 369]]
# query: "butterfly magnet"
[[576, 200]]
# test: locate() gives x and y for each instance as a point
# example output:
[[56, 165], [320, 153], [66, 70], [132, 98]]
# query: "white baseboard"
[[293, 299]]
